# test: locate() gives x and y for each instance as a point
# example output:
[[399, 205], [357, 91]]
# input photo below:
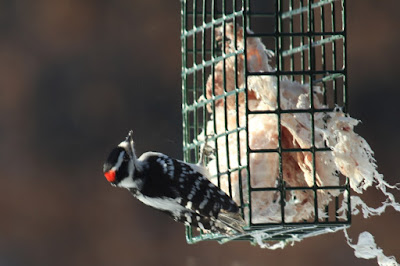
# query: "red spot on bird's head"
[[110, 175]]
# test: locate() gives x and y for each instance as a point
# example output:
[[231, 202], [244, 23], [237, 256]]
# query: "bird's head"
[[120, 164]]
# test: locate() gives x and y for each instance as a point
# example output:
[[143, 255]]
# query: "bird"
[[181, 190]]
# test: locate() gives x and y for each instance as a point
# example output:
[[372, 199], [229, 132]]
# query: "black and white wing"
[[184, 191]]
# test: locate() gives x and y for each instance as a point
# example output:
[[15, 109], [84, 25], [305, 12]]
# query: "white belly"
[[164, 204]]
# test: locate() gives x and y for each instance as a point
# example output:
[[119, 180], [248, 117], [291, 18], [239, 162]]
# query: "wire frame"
[[308, 39]]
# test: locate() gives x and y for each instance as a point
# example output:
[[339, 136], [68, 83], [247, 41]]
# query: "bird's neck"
[[133, 180]]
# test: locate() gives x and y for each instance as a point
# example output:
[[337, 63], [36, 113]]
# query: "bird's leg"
[[206, 151]]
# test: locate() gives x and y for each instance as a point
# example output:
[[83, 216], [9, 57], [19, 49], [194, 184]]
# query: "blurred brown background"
[[76, 75]]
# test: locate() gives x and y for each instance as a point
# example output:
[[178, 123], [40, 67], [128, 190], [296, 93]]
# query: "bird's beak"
[[129, 139]]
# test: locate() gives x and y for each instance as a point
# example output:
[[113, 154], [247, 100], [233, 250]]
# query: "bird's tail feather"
[[232, 220]]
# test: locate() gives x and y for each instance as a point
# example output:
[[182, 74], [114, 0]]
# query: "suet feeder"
[[261, 81]]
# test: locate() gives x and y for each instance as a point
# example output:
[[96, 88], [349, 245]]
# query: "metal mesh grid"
[[307, 38]]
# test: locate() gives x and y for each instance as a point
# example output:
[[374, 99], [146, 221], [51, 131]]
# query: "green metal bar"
[[231, 170], [306, 9], [336, 208], [345, 92], [195, 88], [239, 151], [260, 189], [216, 136], [225, 99], [313, 59], [213, 10], [253, 14], [323, 58], [236, 97], [196, 104], [214, 60], [302, 54], [246, 25], [329, 77], [296, 224], [291, 38], [184, 18], [190, 146], [203, 59], [333, 16], [296, 34], [278, 45], [346, 98], [213, 23], [187, 108], [300, 72], [289, 150], [277, 232], [184, 80], [313, 44]]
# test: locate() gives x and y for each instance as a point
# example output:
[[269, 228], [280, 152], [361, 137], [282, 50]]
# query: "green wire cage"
[[230, 46]]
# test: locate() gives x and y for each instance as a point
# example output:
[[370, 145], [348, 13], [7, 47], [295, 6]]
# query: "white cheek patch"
[[124, 145], [119, 162], [128, 183]]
